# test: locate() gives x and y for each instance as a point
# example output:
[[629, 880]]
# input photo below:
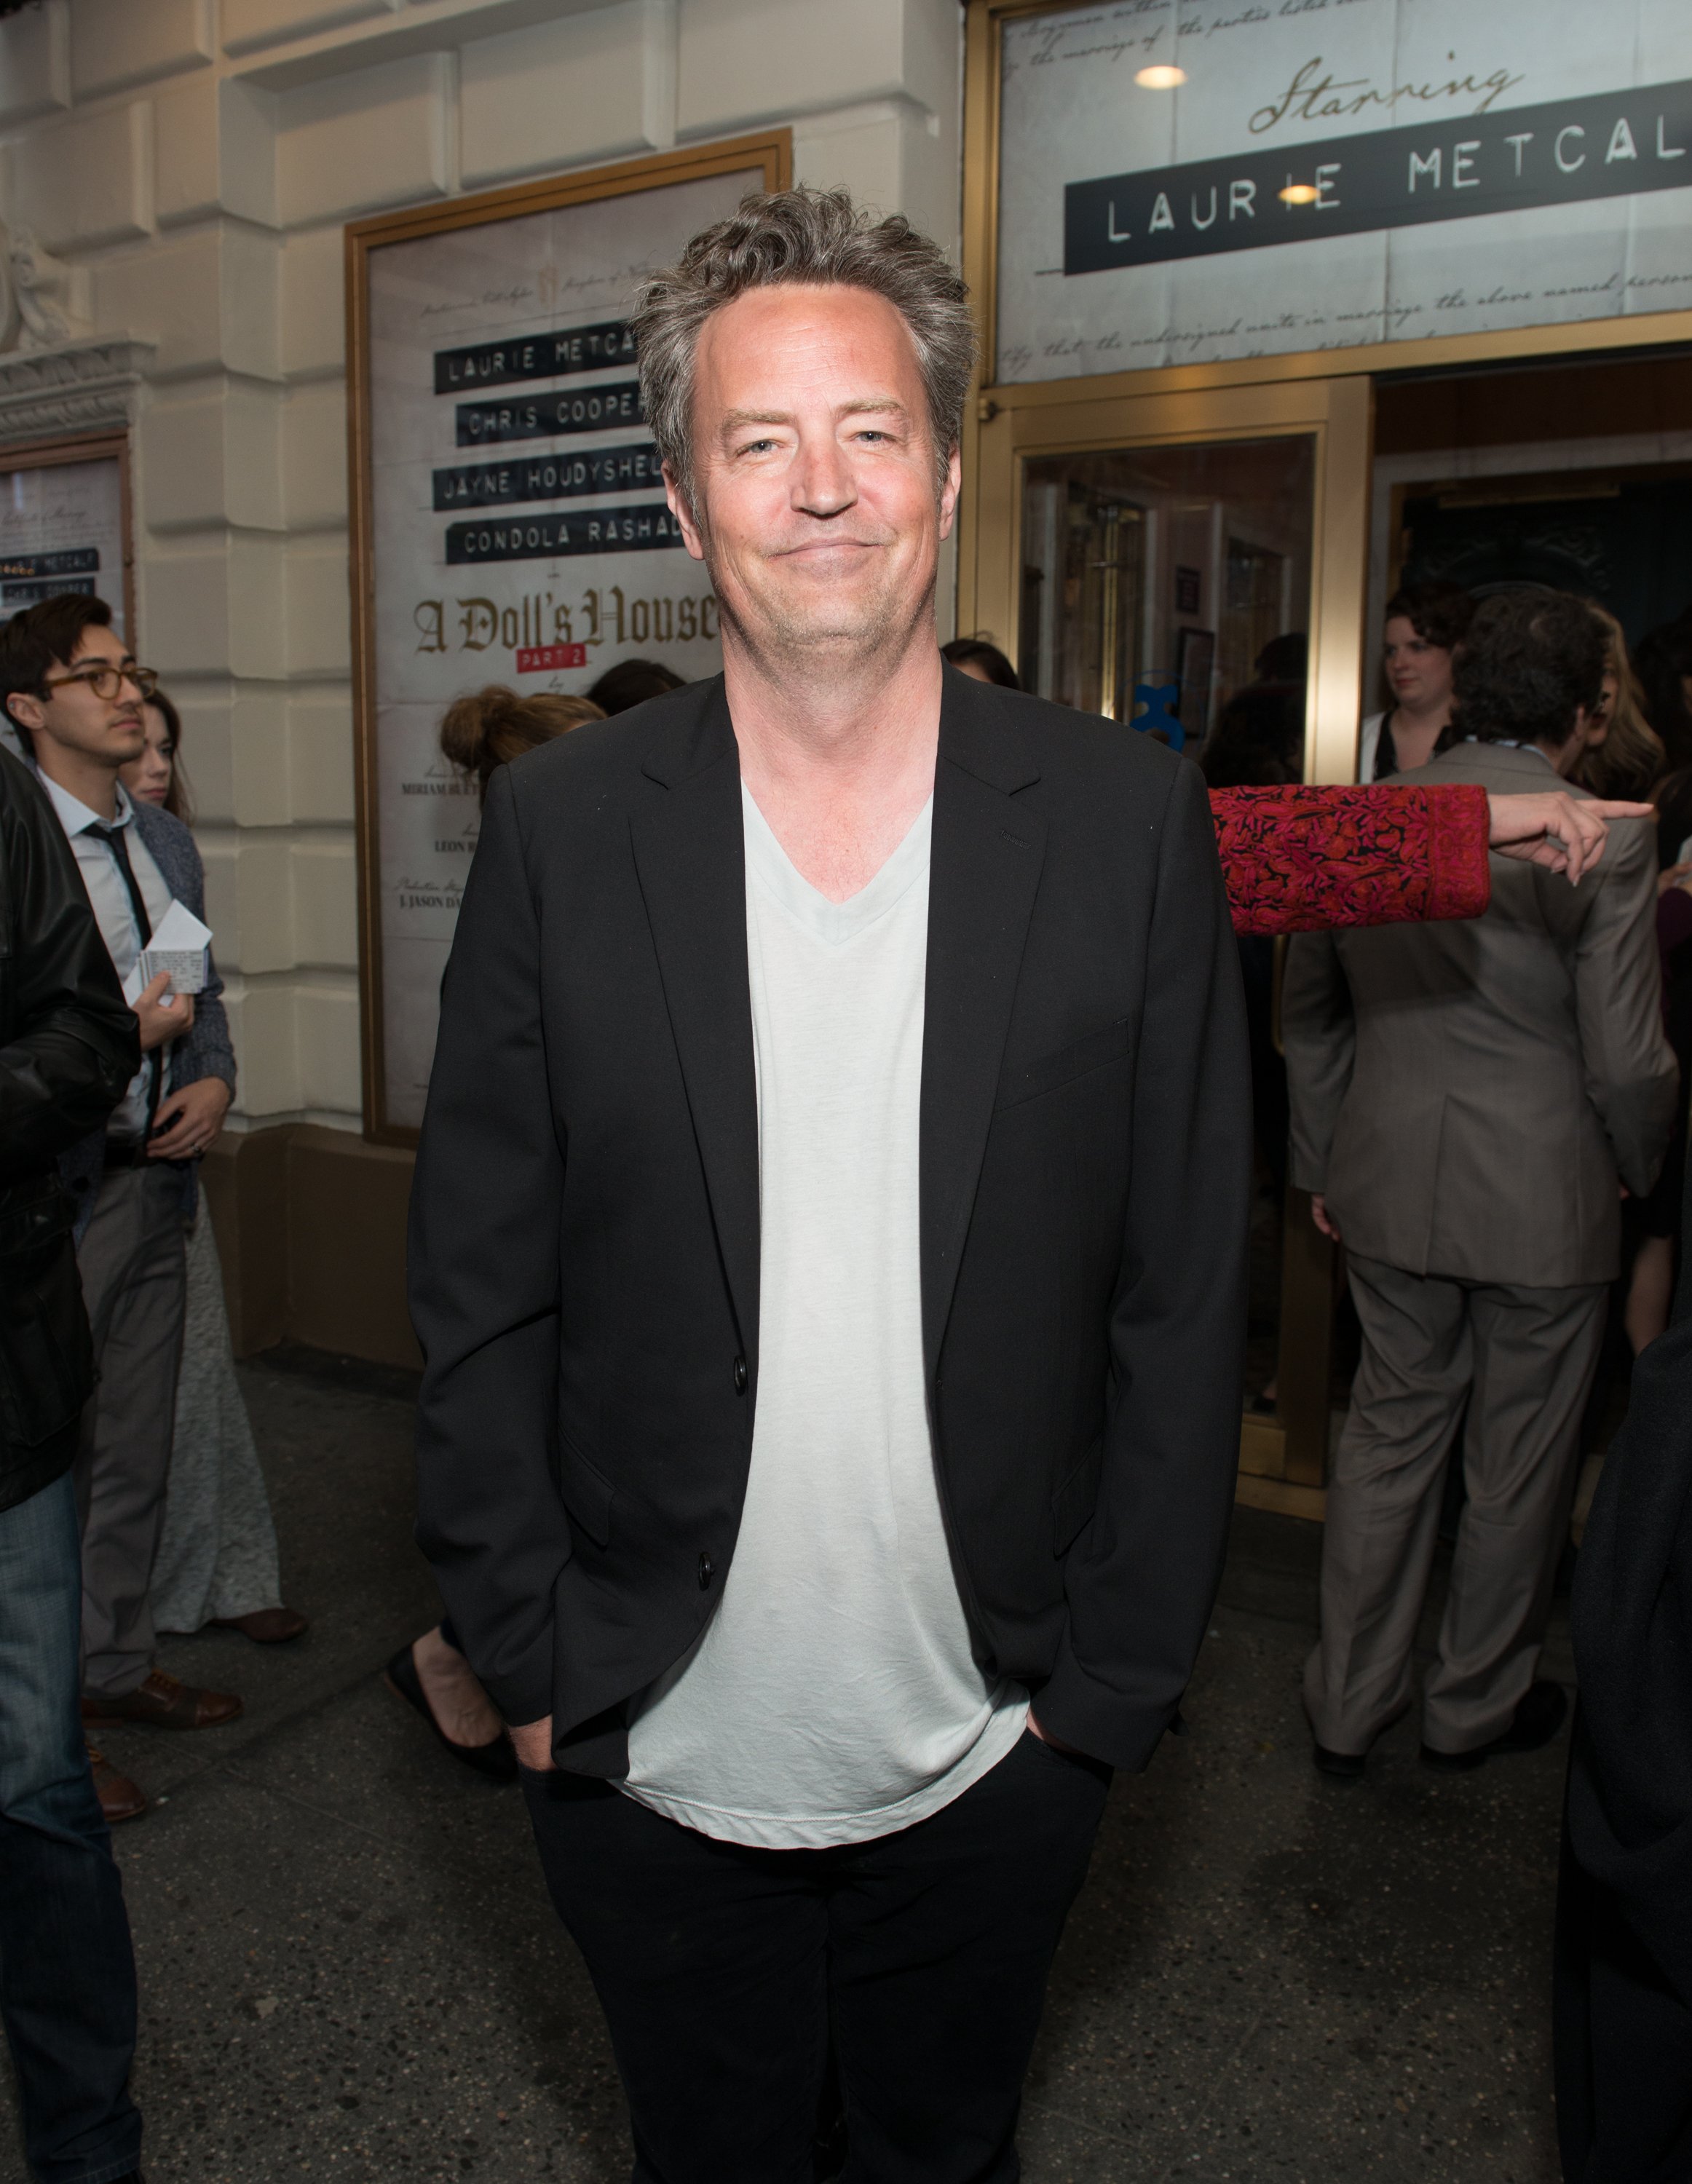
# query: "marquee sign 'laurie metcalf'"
[[1616, 144]]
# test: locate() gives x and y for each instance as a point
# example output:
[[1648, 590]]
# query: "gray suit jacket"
[[204, 1051], [1468, 1094]]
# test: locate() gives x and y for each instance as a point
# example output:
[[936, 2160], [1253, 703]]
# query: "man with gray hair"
[[828, 1253]]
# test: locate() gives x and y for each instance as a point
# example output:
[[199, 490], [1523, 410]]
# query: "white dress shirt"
[[114, 914]]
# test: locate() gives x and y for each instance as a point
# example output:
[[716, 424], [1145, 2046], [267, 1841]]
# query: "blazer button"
[[706, 1572], [740, 1376]]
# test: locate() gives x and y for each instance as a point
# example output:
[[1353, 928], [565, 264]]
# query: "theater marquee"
[[509, 519], [1332, 174]]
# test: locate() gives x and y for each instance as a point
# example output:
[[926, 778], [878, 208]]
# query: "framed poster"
[[64, 524], [1214, 181], [509, 519]]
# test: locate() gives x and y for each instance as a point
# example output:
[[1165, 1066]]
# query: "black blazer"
[[584, 1220], [68, 1045]]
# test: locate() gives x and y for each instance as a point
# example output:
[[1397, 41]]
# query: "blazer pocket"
[[1079, 1059], [589, 1495], [1075, 1498]]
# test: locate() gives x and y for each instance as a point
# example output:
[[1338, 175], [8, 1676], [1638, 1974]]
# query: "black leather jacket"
[[68, 1045]]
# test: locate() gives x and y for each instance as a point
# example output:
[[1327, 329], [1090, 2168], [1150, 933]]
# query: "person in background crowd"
[[1622, 2016], [1625, 758], [1672, 798], [1624, 755], [71, 685], [1258, 741], [632, 683], [1438, 1075], [1658, 1215], [479, 734], [1657, 1218], [157, 775], [1662, 660], [1623, 1994], [1425, 623], [68, 1045], [216, 1561], [979, 657], [1285, 660]]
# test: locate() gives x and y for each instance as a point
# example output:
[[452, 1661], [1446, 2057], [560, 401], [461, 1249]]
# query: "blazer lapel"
[[691, 857], [985, 871]]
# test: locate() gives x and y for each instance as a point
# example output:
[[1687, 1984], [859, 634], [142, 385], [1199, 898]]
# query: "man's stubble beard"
[[805, 646]]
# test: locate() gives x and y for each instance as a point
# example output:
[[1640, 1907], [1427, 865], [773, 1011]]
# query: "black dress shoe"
[[1340, 1766], [498, 1761], [1537, 1720]]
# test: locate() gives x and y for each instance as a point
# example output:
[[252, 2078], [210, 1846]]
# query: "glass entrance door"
[[1192, 568], [1180, 565]]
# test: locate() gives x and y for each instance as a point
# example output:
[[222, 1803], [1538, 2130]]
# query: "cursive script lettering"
[[1315, 95]]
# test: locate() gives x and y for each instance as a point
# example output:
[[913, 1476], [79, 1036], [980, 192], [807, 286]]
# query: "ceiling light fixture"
[[1296, 194], [1161, 78]]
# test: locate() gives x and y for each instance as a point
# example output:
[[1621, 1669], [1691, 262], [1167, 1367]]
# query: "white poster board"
[[518, 532], [62, 530], [1333, 173]]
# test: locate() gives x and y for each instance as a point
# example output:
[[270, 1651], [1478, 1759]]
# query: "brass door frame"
[[1338, 414]]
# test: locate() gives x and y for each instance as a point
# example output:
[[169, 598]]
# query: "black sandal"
[[497, 1760]]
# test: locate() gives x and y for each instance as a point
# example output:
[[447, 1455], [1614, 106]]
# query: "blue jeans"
[[67, 1972]]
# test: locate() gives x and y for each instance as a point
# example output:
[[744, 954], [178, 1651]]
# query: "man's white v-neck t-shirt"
[[833, 1697]]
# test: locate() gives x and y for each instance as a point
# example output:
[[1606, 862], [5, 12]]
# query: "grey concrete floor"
[[350, 1972]]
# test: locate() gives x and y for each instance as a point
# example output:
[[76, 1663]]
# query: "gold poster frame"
[[89, 448], [769, 150]]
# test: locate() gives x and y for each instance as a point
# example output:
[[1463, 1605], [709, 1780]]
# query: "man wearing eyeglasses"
[[71, 689]]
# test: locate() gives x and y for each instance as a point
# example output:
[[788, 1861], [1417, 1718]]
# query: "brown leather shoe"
[[265, 1626], [162, 1702], [121, 1799]]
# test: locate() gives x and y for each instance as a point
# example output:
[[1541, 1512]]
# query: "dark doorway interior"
[[1623, 540], [1620, 535]]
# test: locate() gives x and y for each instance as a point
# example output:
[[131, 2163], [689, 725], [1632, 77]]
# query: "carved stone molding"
[[87, 386]]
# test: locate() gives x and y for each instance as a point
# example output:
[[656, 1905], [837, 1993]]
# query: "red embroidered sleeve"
[[1297, 859]]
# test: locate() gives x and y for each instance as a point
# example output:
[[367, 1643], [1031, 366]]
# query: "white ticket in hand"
[[179, 945]]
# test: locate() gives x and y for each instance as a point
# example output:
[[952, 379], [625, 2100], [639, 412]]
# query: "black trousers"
[[723, 1970]]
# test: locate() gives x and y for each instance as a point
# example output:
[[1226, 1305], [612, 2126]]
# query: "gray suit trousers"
[[1522, 1360], [134, 1282]]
